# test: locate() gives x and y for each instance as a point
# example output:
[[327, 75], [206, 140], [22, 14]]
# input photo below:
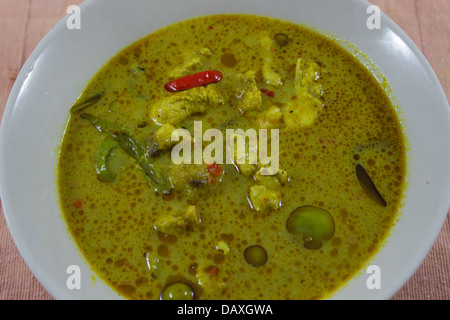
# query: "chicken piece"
[[283, 176], [265, 194], [262, 198], [188, 178], [270, 118], [163, 136], [189, 65], [270, 76], [205, 51], [191, 62], [299, 114], [176, 107], [272, 181], [248, 94], [306, 77], [303, 111], [177, 224], [247, 169], [223, 246], [191, 216]]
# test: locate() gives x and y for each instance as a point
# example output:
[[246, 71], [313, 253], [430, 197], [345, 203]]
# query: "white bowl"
[[65, 60]]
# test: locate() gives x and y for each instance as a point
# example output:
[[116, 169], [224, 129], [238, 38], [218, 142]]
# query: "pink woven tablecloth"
[[23, 23]]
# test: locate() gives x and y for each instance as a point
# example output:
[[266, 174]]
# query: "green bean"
[[129, 143], [103, 173], [86, 103]]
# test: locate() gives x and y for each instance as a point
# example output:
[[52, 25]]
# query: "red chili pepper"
[[213, 271], [78, 204], [268, 92], [211, 180], [215, 169], [194, 80]]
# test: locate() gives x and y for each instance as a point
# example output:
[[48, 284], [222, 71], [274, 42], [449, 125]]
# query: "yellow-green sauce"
[[117, 225]]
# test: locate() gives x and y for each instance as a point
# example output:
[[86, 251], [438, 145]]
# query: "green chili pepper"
[[87, 103], [128, 142], [103, 173]]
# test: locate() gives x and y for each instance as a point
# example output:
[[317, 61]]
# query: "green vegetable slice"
[[103, 172], [128, 142], [86, 103]]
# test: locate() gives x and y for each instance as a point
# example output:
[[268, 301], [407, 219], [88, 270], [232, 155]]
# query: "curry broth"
[[114, 223]]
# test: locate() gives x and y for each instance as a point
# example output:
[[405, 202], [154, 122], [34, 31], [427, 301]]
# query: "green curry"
[[155, 229]]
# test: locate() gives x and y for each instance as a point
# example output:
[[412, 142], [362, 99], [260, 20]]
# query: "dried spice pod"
[[368, 185]]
